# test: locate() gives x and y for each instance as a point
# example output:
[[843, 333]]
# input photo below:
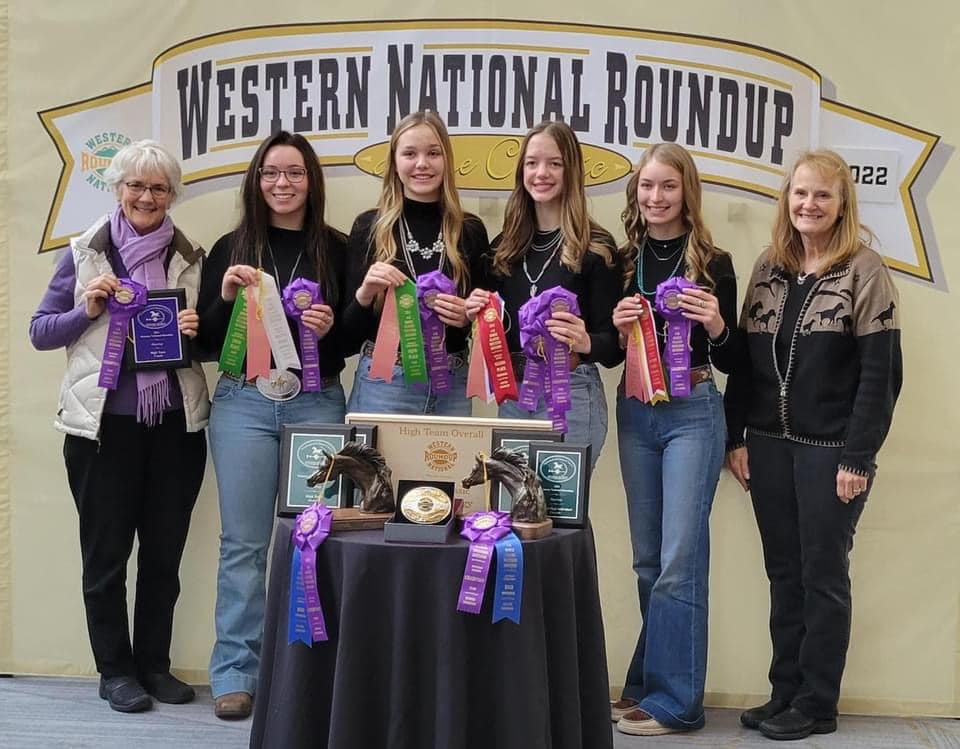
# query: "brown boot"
[[233, 706]]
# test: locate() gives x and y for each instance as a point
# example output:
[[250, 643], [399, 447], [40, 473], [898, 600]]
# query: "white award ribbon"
[[275, 323]]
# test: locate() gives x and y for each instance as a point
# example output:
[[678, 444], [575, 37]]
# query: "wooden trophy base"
[[531, 531], [351, 519]]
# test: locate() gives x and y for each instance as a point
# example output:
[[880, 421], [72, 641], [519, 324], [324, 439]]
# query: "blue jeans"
[[670, 459], [587, 417], [245, 432], [378, 397]]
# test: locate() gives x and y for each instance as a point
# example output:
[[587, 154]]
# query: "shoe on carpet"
[[233, 706], [640, 723], [125, 694], [753, 717], [621, 707], [165, 687], [792, 724]]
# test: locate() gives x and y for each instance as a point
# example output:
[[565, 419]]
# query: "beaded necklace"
[[680, 251]]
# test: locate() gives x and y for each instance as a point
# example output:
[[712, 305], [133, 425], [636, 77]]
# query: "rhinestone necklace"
[[411, 245]]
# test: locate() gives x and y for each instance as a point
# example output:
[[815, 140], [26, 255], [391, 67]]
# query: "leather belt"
[[455, 360], [325, 382], [700, 374], [519, 362]]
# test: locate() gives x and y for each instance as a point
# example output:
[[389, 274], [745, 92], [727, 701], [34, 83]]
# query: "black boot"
[[792, 724], [125, 694], [753, 717]]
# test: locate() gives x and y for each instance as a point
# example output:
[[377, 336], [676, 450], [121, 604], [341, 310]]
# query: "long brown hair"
[[700, 250], [250, 239], [786, 245], [580, 233], [390, 204]]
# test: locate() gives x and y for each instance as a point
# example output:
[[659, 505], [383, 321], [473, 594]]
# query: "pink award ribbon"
[[298, 297], [677, 348], [482, 530], [122, 305], [434, 331], [643, 374], [305, 620]]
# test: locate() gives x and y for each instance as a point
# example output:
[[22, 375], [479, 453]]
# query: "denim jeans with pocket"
[[670, 458], [396, 397], [245, 433]]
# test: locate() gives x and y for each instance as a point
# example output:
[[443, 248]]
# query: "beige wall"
[[894, 59]]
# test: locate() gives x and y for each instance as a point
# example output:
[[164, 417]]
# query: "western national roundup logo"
[[743, 111]]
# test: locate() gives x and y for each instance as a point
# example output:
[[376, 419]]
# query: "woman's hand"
[[380, 276], [702, 307], [739, 466], [189, 322], [452, 310], [319, 318], [626, 313], [850, 485], [570, 329], [237, 277], [477, 300], [96, 293]]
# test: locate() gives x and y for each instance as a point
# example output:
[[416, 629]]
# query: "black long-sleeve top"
[[723, 352], [424, 221], [598, 288], [286, 245]]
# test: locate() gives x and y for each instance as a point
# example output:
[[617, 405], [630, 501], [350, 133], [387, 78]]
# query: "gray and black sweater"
[[820, 359]]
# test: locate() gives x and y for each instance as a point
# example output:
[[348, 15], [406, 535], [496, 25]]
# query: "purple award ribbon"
[[552, 374], [482, 530], [298, 297], [676, 351], [305, 620], [434, 341], [123, 304]]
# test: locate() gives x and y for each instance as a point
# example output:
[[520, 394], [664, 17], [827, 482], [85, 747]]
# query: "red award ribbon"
[[258, 345], [496, 356], [644, 370], [388, 340]]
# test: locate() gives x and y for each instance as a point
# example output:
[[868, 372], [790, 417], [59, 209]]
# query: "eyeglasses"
[[272, 174], [137, 189]]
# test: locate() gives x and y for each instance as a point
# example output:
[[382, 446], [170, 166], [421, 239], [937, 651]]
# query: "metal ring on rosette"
[[425, 505]]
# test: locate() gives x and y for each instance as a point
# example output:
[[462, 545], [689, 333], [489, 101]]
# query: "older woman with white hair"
[[134, 447]]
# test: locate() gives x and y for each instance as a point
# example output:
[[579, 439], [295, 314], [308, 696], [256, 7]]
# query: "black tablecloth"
[[404, 670]]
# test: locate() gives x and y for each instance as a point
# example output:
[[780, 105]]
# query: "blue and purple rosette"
[[676, 350], [305, 621], [123, 305], [298, 297], [434, 339], [490, 534], [547, 367]]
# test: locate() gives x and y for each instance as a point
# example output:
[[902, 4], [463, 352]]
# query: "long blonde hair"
[[786, 245], [700, 250], [580, 233], [390, 204]]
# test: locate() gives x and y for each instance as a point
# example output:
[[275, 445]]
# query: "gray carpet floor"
[[43, 712]]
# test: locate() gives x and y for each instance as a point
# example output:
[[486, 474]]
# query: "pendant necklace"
[[411, 245], [276, 268], [639, 263], [556, 242]]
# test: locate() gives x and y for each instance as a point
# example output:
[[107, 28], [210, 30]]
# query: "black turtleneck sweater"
[[286, 245], [424, 221]]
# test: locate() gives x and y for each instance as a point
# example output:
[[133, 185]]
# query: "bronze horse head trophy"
[[365, 466]]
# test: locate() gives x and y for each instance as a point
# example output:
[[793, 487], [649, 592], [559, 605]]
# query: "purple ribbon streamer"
[[123, 304], [548, 360], [298, 297], [676, 350], [483, 530], [311, 529], [434, 342]]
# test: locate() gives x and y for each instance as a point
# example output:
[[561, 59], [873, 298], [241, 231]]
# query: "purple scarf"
[[143, 257]]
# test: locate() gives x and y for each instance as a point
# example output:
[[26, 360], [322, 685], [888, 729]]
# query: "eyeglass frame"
[[139, 188], [284, 172]]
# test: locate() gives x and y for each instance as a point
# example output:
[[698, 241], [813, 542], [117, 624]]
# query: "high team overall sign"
[[743, 111]]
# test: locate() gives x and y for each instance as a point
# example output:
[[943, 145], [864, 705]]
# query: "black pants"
[[143, 481], [807, 535]]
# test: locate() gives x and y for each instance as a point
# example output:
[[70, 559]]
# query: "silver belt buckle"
[[281, 385]]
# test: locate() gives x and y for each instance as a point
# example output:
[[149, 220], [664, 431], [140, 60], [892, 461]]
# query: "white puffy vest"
[[81, 398]]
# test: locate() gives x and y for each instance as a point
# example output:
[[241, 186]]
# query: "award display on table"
[[519, 441], [302, 451], [424, 512], [564, 473], [358, 464], [154, 340]]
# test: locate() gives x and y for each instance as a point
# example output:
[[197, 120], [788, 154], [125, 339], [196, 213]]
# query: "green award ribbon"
[[235, 342], [412, 355]]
